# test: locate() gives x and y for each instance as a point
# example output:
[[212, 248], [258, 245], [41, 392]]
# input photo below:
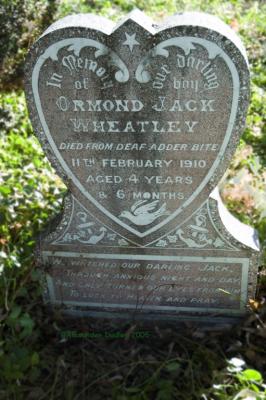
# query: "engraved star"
[[131, 41]]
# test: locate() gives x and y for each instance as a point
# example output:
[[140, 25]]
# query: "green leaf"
[[173, 366], [16, 310], [23, 292], [27, 324], [251, 375], [133, 390], [35, 359], [5, 190]]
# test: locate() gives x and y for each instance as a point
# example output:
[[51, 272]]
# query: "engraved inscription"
[[182, 284], [140, 159]]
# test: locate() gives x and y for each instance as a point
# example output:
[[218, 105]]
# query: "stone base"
[[199, 271]]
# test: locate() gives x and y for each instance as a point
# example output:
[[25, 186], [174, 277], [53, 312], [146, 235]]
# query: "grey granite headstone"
[[141, 121]]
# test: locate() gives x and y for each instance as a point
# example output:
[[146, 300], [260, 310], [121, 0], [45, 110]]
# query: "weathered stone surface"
[[141, 122]]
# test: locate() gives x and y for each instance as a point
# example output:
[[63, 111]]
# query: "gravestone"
[[141, 121]]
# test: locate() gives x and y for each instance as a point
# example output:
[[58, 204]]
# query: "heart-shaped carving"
[[141, 121]]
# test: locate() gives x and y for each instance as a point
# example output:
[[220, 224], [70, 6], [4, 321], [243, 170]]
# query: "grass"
[[38, 360]]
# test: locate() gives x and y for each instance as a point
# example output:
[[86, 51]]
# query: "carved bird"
[[95, 238], [190, 242], [141, 214]]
